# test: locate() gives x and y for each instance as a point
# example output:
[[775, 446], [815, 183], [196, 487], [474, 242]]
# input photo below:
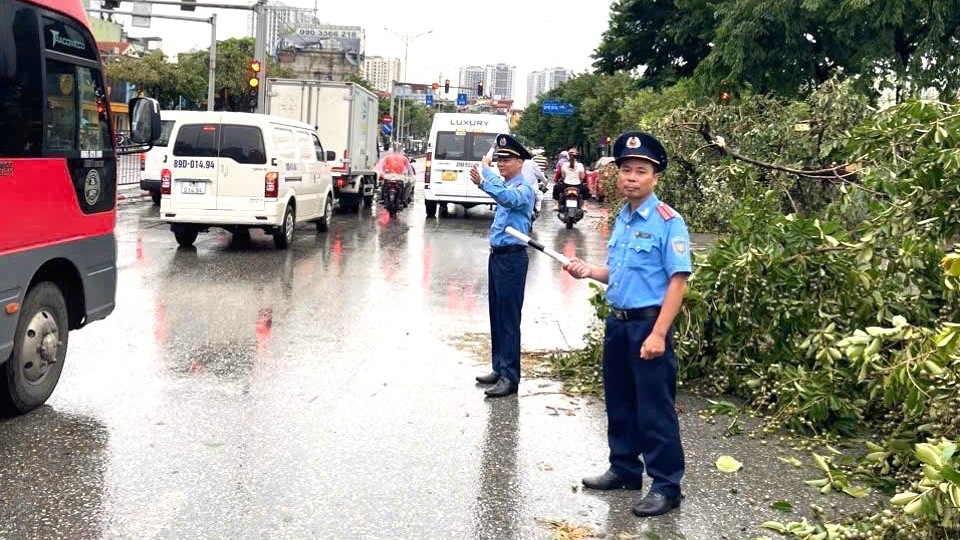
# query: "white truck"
[[345, 117]]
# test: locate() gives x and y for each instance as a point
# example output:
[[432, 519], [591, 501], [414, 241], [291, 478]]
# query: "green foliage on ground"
[[835, 311]]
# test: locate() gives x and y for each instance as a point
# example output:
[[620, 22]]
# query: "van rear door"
[[454, 154], [194, 163], [242, 168]]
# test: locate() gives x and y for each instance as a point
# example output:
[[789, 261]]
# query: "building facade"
[[381, 72], [281, 19], [545, 80], [470, 77], [499, 81]]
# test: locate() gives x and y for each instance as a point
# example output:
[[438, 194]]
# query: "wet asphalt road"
[[327, 391]]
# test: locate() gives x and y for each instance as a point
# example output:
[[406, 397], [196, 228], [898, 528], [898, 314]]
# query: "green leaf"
[[728, 464], [951, 474], [774, 526], [821, 462], [782, 506], [791, 461]]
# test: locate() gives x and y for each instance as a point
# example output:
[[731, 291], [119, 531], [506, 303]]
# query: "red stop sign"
[[387, 119]]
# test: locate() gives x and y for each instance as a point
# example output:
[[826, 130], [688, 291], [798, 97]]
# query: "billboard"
[[347, 39]]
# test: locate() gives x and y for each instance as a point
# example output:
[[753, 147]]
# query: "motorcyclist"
[[571, 173], [393, 166]]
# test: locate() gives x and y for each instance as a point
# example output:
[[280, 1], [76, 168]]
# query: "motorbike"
[[570, 210], [395, 194]]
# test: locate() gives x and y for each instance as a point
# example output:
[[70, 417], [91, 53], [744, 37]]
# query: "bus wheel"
[[39, 348], [186, 236]]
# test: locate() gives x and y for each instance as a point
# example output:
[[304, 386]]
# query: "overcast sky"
[[529, 34]]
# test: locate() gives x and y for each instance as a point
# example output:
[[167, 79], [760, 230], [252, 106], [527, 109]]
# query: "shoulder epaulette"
[[666, 212]]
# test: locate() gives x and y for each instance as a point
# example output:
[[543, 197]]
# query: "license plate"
[[194, 188], [449, 176], [571, 203]]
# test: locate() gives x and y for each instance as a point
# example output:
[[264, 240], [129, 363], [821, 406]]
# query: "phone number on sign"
[[193, 164]]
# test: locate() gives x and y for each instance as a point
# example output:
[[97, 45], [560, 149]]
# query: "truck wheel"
[[431, 208], [155, 195], [323, 224], [368, 200], [283, 237], [39, 349], [186, 236]]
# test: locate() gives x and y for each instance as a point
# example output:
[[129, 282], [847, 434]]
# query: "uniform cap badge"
[[502, 141], [633, 142]]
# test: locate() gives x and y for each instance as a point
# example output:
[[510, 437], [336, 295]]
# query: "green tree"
[[787, 48], [233, 58]]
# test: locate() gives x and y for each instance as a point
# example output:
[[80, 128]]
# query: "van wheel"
[[445, 210], [431, 208], [323, 224], [186, 237], [155, 195], [39, 349], [284, 235]]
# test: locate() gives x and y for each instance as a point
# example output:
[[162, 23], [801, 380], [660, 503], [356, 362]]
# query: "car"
[[458, 141], [242, 171], [154, 159]]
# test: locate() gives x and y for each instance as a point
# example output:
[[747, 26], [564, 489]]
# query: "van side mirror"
[[331, 155], [145, 126]]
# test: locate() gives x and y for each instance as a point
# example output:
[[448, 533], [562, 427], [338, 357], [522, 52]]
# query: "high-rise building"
[[280, 20], [535, 82], [381, 72], [470, 77], [499, 81], [545, 80]]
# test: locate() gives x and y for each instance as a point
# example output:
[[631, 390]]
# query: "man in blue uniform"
[[507, 266], [648, 264]]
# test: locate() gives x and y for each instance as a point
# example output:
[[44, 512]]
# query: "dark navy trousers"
[[507, 278], [641, 415]]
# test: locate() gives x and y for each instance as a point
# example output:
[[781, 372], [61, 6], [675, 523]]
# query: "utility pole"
[[406, 39], [260, 51]]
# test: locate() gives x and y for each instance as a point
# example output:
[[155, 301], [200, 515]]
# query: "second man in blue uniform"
[[507, 265]]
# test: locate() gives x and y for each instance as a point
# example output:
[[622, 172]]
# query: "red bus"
[[58, 166]]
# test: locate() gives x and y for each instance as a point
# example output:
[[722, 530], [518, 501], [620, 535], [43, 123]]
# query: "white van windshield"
[[463, 146]]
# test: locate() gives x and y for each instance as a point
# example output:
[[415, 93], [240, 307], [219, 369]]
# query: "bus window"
[[94, 129], [61, 107], [21, 82]]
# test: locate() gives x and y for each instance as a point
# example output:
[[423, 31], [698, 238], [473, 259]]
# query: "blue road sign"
[[428, 99], [557, 108], [461, 100], [386, 129]]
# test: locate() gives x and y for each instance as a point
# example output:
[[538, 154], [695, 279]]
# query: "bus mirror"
[[145, 125], [331, 155]]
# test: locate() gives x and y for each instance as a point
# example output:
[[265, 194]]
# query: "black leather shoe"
[[504, 387], [491, 378], [609, 480], [655, 504]]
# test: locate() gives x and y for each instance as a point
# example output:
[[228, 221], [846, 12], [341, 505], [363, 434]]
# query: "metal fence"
[[128, 167]]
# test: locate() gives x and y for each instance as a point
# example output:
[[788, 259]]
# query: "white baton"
[[537, 245]]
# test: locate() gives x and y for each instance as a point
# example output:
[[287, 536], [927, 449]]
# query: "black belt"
[[511, 248], [638, 314]]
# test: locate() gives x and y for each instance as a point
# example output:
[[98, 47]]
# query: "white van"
[[153, 160], [457, 142], [241, 171]]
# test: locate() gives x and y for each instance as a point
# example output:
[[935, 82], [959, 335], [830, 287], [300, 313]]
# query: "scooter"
[[395, 196], [570, 210]]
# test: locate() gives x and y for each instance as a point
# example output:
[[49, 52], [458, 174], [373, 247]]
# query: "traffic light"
[[480, 88], [110, 4], [253, 82], [446, 86]]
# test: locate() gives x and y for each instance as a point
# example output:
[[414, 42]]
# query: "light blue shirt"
[[644, 251], [515, 199]]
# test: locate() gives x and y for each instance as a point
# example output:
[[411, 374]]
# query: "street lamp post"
[[406, 39]]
